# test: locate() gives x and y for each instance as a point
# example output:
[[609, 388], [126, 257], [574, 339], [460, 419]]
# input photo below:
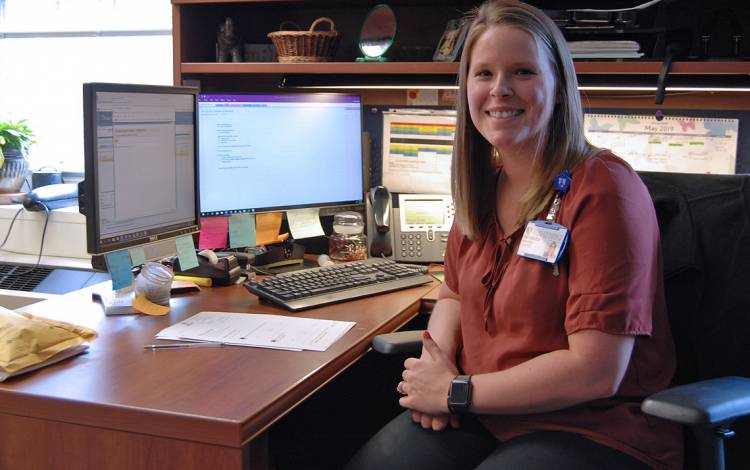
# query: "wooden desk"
[[122, 407]]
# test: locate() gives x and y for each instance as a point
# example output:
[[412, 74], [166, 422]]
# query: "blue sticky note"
[[186, 252], [118, 264], [137, 256], [241, 230]]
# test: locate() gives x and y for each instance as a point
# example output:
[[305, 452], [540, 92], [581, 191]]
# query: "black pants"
[[403, 444]]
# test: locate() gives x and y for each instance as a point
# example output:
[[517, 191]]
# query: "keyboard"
[[314, 287]]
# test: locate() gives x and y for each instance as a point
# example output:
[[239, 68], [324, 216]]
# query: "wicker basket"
[[307, 46]]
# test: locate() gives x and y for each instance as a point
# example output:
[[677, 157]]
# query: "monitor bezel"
[[89, 187], [324, 206]]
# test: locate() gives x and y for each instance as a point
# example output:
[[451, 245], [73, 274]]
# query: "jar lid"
[[157, 272], [348, 223]]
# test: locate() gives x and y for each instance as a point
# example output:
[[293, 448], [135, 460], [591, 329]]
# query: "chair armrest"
[[401, 342], [709, 403]]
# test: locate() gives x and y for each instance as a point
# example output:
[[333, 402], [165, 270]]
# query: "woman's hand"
[[426, 383], [435, 422]]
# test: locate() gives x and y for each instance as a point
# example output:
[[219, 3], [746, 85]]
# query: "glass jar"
[[155, 283], [348, 241]]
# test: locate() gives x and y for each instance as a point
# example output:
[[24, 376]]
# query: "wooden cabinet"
[[420, 25]]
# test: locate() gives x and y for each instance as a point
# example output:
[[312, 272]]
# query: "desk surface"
[[224, 396]]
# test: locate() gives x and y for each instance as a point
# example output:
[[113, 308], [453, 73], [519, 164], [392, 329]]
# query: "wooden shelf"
[[443, 68], [421, 23], [415, 68], [636, 67]]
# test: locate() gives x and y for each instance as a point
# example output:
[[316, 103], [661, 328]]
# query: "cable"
[[7, 234], [41, 246]]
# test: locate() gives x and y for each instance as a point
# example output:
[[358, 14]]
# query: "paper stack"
[[258, 330], [605, 49]]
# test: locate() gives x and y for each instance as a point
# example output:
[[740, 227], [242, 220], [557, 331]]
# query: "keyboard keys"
[[320, 286]]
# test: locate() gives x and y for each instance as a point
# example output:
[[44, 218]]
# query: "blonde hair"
[[562, 146]]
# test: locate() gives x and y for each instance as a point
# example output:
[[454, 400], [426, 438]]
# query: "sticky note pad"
[[186, 252], [213, 232], [137, 256], [118, 264], [304, 223], [143, 305], [267, 227], [241, 230]]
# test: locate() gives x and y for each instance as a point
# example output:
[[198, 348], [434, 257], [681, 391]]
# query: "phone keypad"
[[411, 245]]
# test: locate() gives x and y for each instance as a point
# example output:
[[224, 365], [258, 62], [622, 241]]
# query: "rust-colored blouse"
[[610, 279]]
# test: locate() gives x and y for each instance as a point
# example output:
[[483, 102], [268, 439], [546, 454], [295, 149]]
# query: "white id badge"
[[543, 241]]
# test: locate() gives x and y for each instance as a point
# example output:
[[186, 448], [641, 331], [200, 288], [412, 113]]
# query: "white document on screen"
[[259, 330]]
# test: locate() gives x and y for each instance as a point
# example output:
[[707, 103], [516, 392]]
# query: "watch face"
[[460, 393]]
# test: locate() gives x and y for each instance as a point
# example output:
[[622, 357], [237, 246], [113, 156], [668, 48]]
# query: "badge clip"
[[546, 240]]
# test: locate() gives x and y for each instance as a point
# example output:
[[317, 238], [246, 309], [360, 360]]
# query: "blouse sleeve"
[[451, 258], [614, 254]]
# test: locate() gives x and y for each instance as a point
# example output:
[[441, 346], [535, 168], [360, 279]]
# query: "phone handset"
[[380, 238], [380, 198]]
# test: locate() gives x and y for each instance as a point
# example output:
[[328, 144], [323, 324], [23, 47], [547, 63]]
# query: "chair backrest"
[[704, 222]]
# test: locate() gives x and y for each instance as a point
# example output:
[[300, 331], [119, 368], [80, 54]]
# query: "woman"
[[546, 356]]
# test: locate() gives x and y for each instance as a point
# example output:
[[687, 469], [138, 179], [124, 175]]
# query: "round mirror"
[[377, 33]]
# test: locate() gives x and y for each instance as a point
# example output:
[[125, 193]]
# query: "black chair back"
[[704, 222]]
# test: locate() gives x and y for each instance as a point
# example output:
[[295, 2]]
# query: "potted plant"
[[15, 139]]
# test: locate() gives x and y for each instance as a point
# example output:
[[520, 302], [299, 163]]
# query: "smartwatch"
[[459, 394]]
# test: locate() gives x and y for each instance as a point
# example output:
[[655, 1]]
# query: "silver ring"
[[400, 388]]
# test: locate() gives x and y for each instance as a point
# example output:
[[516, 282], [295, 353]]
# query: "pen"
[[182, 345]]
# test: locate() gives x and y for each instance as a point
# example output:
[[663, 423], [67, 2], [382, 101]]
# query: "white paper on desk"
[[417, 151], [177, 331], [259, 330], [304, 223]]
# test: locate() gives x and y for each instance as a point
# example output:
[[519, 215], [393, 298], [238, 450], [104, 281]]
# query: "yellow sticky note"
[[198, 281], [143, 305], [267, 226]]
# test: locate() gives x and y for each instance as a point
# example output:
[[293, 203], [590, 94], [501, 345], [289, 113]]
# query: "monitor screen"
[[140, 165], [269, 152]]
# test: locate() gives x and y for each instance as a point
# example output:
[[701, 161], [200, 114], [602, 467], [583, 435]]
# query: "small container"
[[155, 283], [306, 46], [348, 241]]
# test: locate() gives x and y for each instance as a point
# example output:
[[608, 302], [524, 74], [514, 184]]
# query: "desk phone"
[[421, 224]]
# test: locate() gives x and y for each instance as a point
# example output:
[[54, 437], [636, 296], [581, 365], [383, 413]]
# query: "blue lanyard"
[[562, 185]]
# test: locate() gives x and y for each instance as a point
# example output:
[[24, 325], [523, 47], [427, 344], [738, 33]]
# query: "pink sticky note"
[[214, 232]]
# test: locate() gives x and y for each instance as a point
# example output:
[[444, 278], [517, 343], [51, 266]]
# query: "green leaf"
[[16, 135]]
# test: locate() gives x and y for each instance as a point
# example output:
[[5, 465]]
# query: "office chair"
[[704, 221]]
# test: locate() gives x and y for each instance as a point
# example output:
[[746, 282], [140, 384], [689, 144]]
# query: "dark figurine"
[[227, 43]]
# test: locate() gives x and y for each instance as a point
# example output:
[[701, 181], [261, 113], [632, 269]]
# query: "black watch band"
[[459, 394]]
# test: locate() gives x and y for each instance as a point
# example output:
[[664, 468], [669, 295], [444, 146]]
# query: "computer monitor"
[[140, 185], [272, 152]]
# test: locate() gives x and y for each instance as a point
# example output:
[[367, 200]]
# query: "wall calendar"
[[673, 144]]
